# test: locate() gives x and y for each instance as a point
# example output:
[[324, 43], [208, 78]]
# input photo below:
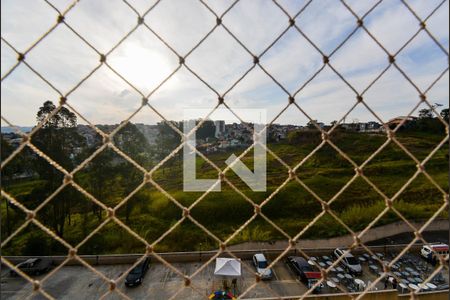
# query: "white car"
[[428, 251], [261, 265], [349, 262]]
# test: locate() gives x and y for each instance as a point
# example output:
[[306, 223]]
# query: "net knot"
[[186, 212], [111, 212], [36, 285], [187, 281], [72, 252], [20, 56], [68, 178], [112, 285], [31, 215]]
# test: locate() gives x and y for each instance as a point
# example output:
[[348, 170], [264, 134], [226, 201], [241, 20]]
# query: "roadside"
[[440, 236], [436, 231]]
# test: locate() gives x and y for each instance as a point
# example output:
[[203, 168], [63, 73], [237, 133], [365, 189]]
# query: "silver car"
[[261, 265], [349, 262]]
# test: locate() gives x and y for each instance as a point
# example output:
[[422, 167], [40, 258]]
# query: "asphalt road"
[[78, 282], [407, 237]]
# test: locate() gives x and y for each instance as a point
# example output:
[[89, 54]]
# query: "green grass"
[[292, 209]]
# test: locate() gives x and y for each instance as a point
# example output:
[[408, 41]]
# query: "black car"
[[137, 274], [33, 266], [306, 272]]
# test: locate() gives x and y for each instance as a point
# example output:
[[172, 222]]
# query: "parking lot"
[[78, 282]]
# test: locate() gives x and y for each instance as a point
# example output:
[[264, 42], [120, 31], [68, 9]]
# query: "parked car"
[[429, 252], [261, 265], [307, 273], [442, 287], [137, 274], [438, 279], [33, 266], [349, 262]]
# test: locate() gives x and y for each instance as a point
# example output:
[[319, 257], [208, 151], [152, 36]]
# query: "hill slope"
[[150, 213]]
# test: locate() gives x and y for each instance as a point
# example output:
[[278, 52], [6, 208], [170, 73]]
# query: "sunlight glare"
[[145, 68]]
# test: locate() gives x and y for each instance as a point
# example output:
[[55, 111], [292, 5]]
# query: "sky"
[[64, 59]]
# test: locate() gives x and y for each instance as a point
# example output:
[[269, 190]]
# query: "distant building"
[[373, 125], [89, 134], [220, 128], [313, 124], [362, 126], [150, 132], [351, 126], [224, 144], [397, 120], [235, 142]]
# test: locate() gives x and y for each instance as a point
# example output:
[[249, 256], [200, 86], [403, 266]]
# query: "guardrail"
[[174, 257]]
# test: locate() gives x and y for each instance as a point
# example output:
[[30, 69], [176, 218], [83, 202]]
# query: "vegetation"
[[110, 178]]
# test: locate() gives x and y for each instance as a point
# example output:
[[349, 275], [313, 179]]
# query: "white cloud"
[[64, 59]]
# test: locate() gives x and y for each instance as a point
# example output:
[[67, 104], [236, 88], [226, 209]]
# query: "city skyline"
[[355, 120]]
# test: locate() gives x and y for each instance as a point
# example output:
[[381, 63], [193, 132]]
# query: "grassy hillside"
[[150, 213]]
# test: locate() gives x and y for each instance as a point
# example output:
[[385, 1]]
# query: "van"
[[428, 251]]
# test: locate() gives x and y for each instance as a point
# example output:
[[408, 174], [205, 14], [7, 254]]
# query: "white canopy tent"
[[228, 267]]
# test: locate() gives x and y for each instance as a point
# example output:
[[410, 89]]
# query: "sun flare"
[[143, 67]]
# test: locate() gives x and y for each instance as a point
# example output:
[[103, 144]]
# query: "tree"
[[304, 136], [20, 164], [131, 141], [6, 149], [109, 173], [311, 124], [167, 140], [207, 130], [427, 122], [444, 114], [100, 170], [10, 169], [57, 138], [425, 113], [134, 144]]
